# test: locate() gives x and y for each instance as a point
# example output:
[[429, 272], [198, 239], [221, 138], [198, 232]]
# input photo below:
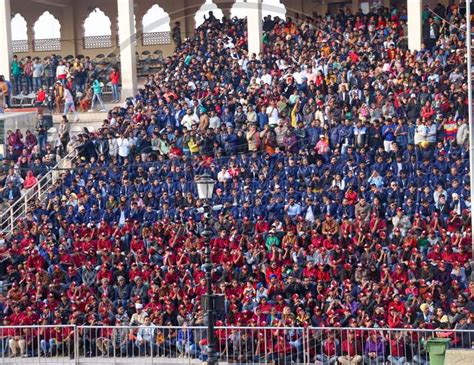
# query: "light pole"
[[205, 187]]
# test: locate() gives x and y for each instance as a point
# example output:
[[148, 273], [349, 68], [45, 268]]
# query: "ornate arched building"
[[127, 36]]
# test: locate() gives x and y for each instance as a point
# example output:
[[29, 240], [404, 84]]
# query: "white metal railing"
[[49, 344], [257, 345], [19, 208]]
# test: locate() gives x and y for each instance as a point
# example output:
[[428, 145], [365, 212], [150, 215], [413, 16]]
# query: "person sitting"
[[350, 350], [145, 341], [374, 353]]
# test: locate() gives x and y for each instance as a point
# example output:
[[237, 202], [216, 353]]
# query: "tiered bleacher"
[[342, 195]]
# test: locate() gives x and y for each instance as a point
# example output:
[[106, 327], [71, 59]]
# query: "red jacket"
[[396, 347], [348, 348], [115, 77]]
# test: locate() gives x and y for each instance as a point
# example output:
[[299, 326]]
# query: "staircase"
[[39, 192]]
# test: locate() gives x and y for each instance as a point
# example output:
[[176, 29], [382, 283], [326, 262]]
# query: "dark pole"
[[211, 343]]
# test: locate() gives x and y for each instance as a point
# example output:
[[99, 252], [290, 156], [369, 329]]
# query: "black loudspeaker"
[[217, 302]]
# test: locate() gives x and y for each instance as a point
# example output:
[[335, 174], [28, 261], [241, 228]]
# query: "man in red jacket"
[[397, 349], [17, 343], [350, 350], [115, 80], [397, 304]]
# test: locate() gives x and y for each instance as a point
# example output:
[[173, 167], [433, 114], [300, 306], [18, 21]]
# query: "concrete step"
[[459, 357]]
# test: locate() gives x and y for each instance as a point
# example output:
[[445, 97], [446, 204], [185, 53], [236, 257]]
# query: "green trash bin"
[[436, 347]]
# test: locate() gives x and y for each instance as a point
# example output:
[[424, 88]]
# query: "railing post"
[[11, 218], [39, 346], [305, 347], [39, 189], [25, 197], [76, 345]]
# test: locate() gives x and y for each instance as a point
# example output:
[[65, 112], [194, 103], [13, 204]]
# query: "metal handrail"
[[304, 347], [19, 208], [230, 327]]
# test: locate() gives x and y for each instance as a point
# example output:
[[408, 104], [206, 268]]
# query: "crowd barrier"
[[242, 345], [17, 210]]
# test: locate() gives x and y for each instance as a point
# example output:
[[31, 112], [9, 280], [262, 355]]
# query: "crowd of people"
[[60, 84], [25, 160], [342, 197]]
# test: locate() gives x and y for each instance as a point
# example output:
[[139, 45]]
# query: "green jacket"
[[96, 87], [272, 241], [16, 68]]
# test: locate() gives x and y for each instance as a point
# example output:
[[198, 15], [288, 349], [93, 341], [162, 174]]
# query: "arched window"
[[156, 20], [47, 30], [97, 30], [156, 26], [19, 28], [204, 10], [274, 8], [239, 9]]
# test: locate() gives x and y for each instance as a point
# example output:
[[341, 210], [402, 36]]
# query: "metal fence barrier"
[[37, 344], [152, 344]]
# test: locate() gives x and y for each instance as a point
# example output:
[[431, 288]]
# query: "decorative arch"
[[204, 12], [19, 28], [97, 30], [239, 9], [47, 33], [97, 24], [156, 19], [47, 27], [274, 8]]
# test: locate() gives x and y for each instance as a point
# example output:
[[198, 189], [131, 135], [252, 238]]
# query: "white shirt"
[[267, 79], [272, 113], [61, 70], [298, 77], [188, 120], [214, 122], [123, 147], [68, 98], [223, 176]]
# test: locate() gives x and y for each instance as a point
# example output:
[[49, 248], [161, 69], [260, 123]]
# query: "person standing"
[[176, 34], [38, 70], [97, 90], [63, 135], [58, 95], [61, 72], [115, 79], [80, 80], [69, 104], [49, 73], [4, 93], [28, 72], [41, 131], [124, 146], [17, 74]]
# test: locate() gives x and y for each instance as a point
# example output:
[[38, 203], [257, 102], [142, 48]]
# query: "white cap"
[[138, 306]]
